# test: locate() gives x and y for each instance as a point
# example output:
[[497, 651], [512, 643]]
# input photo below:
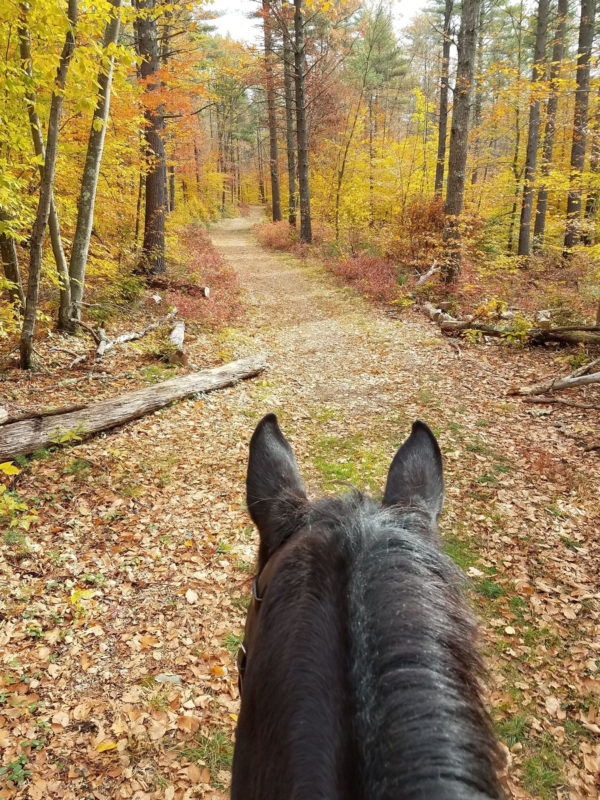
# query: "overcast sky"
[[233, 19]]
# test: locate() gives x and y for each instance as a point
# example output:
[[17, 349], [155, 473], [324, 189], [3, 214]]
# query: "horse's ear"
[[415, 477], [273, 477]]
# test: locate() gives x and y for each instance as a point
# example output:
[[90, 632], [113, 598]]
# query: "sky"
[[233, 19]]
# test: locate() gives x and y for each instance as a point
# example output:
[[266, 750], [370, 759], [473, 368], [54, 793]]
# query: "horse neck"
[[420, 719]]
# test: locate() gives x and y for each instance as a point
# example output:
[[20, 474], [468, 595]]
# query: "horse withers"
[[359, 676]]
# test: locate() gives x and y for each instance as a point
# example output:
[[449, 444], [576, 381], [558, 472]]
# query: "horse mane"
[[420, 723]]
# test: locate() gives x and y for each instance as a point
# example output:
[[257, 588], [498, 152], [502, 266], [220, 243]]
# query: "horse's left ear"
[[273, 477], [415, 477]]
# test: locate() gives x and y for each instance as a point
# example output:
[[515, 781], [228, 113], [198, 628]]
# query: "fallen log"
[[536, 335], [176, 354], [191, 289], [25, 436]]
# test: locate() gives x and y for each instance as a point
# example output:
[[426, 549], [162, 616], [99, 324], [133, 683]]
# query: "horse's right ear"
[[415, 477], [273, 477]]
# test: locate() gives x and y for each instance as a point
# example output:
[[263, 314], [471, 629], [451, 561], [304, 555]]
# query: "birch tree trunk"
[[443, 121], [584, 51], [273, 152], [89, 181], [45, 199], [459, 139], [39, 149], [558, 48], [148, 44], [301, 128], [524, 247]]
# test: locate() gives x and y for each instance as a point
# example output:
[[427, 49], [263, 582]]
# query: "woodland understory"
[[372, 226]]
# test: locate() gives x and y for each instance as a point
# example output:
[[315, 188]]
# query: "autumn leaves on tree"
[[470, 138]]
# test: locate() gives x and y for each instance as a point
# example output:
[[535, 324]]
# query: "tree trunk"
[[39, 149], [301, 128], [274, 156], [443, 121], [171, 187], [524, 247], [10, 263], [591, 204], [288, 67], [89, 180], [584, 51], [261, 180], [27, 435], [548, 144], [478, 102], [459, 138], [46, 186], [148, 44]]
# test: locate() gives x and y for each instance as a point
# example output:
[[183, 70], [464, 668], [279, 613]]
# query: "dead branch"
[[556, 384], [104, 345]]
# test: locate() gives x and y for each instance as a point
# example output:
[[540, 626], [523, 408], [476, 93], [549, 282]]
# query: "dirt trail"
[[138, 675]]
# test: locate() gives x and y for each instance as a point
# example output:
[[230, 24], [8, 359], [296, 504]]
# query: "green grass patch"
[[214, 751], [513, 729], [348, 460], [490, 589], [542, 769], [460, 551], [232, 642]]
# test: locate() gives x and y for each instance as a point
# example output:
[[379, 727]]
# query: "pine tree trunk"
[[459, 139], [588, 236], [478, 90], [558, 48], [586, 36], [301, 128], [148, 43], [261, 180], [39, 149], [288, 67], [443, 121], [274, 155], [89, 181], [46, 186], [524, 247]]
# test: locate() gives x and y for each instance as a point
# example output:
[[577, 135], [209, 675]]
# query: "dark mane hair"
[[362, 678]]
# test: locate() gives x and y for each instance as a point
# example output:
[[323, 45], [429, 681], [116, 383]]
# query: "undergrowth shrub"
[[204, 267], [377, 278], [277, 235]]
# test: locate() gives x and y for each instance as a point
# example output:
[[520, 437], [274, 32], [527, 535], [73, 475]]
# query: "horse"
[[359, 676]]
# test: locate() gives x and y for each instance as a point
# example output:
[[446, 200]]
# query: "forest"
[[353, 222]]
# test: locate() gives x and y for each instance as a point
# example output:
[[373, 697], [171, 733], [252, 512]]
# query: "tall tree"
[[270, 86], [39, 149], [89, 182], [443, 119], [533, 130], [46, 189], [584, 51], [459, 138], [290, 137], [591, 201], [558, 48], [148, 48], [301, 126]]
